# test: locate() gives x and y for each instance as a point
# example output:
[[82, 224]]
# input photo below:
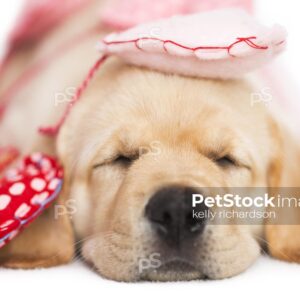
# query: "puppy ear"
[[47, 242], [283, 239]]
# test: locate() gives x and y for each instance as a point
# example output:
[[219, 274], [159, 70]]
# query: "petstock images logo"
[[247, 206]]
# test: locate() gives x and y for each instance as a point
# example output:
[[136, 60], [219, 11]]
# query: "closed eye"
[[123, 160], [226, 161]]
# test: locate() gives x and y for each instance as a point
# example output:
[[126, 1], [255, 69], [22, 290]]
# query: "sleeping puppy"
[[135, 148], [138, 145]]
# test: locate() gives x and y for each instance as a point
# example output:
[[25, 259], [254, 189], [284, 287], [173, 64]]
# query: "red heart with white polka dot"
[[25, 192]]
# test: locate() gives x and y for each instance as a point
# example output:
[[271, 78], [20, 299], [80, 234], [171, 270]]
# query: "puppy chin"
[[97, 252], [173, 271]]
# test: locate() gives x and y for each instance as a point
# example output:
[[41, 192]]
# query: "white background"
[[267, 278]]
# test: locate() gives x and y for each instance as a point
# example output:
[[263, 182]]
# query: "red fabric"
[[26, 192]]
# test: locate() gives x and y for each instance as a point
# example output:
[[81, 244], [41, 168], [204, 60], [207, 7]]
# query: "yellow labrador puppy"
[[135, 148]]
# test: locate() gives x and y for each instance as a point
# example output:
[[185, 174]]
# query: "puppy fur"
[[172, 127]]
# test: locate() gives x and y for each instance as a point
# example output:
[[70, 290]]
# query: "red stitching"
[[53, 130], [247, 40]]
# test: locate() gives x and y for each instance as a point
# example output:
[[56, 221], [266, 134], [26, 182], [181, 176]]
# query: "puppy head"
[[136, 146]]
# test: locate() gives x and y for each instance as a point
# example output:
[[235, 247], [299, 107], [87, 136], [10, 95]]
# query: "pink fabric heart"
[[223, 44]]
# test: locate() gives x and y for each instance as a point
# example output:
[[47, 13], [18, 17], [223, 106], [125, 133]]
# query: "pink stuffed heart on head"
[[222, 44], [25, 192], [217, 44]]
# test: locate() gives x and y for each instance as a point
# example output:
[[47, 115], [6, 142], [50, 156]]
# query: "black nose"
[[170, 212]]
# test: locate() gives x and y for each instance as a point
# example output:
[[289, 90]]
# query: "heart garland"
[[26, 191]]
